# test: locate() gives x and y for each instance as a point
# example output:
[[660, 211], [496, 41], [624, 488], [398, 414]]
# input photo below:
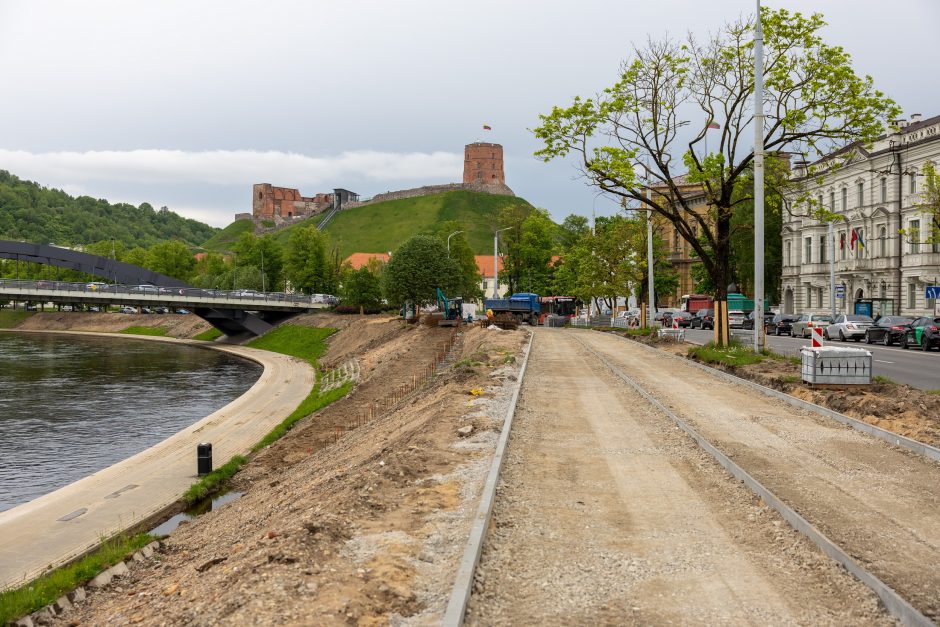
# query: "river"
[[71, 405]]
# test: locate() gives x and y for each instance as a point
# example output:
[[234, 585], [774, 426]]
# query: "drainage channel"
[[896, 605], [207, 505]]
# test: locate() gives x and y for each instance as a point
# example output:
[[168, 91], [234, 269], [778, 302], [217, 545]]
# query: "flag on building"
[[487, 127], [858, 234], [854, 239], [841, 241], [714, 125]]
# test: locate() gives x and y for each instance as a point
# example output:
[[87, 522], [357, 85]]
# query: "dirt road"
[[607, 514]]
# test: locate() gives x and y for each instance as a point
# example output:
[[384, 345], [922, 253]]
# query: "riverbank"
[[181, 326], [59, 526]]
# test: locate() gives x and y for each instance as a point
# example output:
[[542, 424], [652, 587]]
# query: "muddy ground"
[[176, 325], [365, 530], [896, 407]]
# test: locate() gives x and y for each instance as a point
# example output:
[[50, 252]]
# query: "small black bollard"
[[203, 458]]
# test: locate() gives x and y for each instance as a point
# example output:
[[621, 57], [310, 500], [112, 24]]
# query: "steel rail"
[[896, 605], [463, 583]]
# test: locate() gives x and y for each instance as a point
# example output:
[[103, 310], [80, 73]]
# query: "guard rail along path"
[[609, 513]]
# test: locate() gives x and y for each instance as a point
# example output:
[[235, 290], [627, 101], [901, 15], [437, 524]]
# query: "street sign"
[[932, 291], [840, 291]]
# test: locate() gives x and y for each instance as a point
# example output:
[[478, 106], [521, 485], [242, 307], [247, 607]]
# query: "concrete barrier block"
[[119, 570], [62, 604], [26, 621], [103, 579], [77, 595]]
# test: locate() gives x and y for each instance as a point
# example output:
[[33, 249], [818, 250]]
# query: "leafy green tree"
[[362, 287], [172, 258], [311, 267], [136, 256], [529, 247], [930, 201], [262, 252], [571, 230], [628, 139], [460, 251], [417, 268]]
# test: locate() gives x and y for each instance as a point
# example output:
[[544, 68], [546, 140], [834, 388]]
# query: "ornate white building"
[[877, 192]]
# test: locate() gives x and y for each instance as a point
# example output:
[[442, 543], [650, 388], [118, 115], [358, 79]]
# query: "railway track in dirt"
[[609, 513]]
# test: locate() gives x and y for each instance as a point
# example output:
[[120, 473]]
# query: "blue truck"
[[524, 307]]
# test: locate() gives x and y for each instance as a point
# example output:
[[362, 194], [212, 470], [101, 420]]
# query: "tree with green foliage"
[[417, 269], [631, 139], [262, 252], [172, 258], [311, 266], [571, 230], [362, 287], [529, 245], [460, 251], [930, 201]]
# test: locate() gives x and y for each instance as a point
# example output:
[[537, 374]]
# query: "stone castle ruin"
[[482, 172]]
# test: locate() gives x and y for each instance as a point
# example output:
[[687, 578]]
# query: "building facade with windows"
[[883, 260]]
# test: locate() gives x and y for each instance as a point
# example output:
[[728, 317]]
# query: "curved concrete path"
[[55, 528]]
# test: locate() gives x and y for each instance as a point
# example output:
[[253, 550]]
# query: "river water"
[[71, 405]]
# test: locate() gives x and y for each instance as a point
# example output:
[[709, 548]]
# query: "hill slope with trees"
[[42, 215]]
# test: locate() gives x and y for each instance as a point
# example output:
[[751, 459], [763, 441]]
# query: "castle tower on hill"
[[483, 164]]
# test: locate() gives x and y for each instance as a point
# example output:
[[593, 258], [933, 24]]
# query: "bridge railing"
[[94, 288]]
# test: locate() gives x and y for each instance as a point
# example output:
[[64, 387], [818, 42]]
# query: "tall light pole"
[[495, 259], [649, 267], [832, 268], [448, 241], [234, 269], [758, 184]]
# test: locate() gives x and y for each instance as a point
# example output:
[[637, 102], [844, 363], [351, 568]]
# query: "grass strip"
[[296, 341], [10, 318], [46, 589], [733, 355], [314, 402], [208, 335], [214, 480], [156, 331]]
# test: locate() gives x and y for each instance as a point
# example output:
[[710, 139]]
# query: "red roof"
[[358, 260], [485, 264]]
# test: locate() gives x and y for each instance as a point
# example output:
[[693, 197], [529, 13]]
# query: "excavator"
[[452, 310]]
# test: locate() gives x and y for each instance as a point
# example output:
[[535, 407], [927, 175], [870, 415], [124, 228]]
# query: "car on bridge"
[[145, 288], [923, 332], [887, 330], [848, 327]]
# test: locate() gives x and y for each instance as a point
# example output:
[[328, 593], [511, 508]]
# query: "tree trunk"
[[721, 276]]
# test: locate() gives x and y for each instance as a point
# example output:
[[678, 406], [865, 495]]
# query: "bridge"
[[232, 312]]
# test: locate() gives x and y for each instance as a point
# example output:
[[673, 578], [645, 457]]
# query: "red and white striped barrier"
[[817, 336]]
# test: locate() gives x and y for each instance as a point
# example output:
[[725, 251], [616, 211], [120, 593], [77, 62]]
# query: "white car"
[[736, 319], [848, 327]]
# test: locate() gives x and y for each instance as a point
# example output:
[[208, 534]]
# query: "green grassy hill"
[[222, 241], [381, 227]]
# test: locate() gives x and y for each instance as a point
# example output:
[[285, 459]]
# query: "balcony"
[[853, 265]]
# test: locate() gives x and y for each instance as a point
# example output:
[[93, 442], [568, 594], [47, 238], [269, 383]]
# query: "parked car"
[[128, 310], [887, 330], [249, 294], [682, 318], [161, 310], [848, 326], [923, 332], [146, 310], [780, 324], [736, 319], [182, 312], [768, 318], [704, 319], [94, 309], [803, 327], [95, 286]]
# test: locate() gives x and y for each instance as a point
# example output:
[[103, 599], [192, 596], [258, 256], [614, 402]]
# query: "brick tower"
[[483, 164]]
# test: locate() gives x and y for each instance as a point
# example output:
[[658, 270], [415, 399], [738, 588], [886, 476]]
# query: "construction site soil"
[[338, 524], [176, 325], [899, 408]]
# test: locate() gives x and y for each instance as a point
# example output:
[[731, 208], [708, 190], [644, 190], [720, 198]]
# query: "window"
[[786, 254], [809, 300], [819, 297], [884, 190], [884, 289], [883, 240], [819, 199], [822, 249], [913, 228], [861, 194], [913, 183], [842, 245], [808, 257], [911, 296], [832, 201], [845, 198]]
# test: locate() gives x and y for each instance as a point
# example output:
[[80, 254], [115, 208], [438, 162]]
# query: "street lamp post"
[[495, 259], [448, 241], [758, 185], [234, 269]]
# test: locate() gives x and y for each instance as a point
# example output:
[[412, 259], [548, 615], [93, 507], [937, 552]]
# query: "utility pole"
[[649, 266], [234, 269], [448, 241], [759, 184], [495, 259], [832, 268]]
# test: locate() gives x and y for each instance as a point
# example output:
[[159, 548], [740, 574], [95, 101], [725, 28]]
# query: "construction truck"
[[523, 307], [451, 309]]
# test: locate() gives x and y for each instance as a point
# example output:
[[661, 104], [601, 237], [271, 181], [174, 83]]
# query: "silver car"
[[848, 327], [736, 319], [803, 327]]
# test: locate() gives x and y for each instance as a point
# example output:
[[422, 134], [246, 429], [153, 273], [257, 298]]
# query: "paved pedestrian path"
[[61, 525]]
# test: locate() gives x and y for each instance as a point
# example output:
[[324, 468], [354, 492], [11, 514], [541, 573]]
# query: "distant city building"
[[270, 202], [876, 192], [485, 266], [483, 164], [358, 260]]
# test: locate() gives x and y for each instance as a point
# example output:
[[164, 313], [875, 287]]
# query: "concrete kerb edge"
[[463, 583], [890, 437], [896, 605]]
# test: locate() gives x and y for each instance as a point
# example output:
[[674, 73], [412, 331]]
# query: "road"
[[607, 514], [61, 525], [911, 366]]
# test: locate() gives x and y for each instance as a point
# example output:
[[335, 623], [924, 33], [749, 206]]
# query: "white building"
[[877, 192]]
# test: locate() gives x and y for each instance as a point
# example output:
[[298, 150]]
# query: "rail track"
[[869, 506]]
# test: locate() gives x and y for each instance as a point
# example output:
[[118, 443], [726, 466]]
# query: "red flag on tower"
[[487, 127], [714, 125]]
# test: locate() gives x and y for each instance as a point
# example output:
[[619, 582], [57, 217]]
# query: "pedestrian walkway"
[[56, 528]]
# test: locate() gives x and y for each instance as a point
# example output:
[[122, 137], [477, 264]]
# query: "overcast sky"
[[188, 103]]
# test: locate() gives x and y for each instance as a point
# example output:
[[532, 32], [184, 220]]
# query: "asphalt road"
[[911, 366]]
